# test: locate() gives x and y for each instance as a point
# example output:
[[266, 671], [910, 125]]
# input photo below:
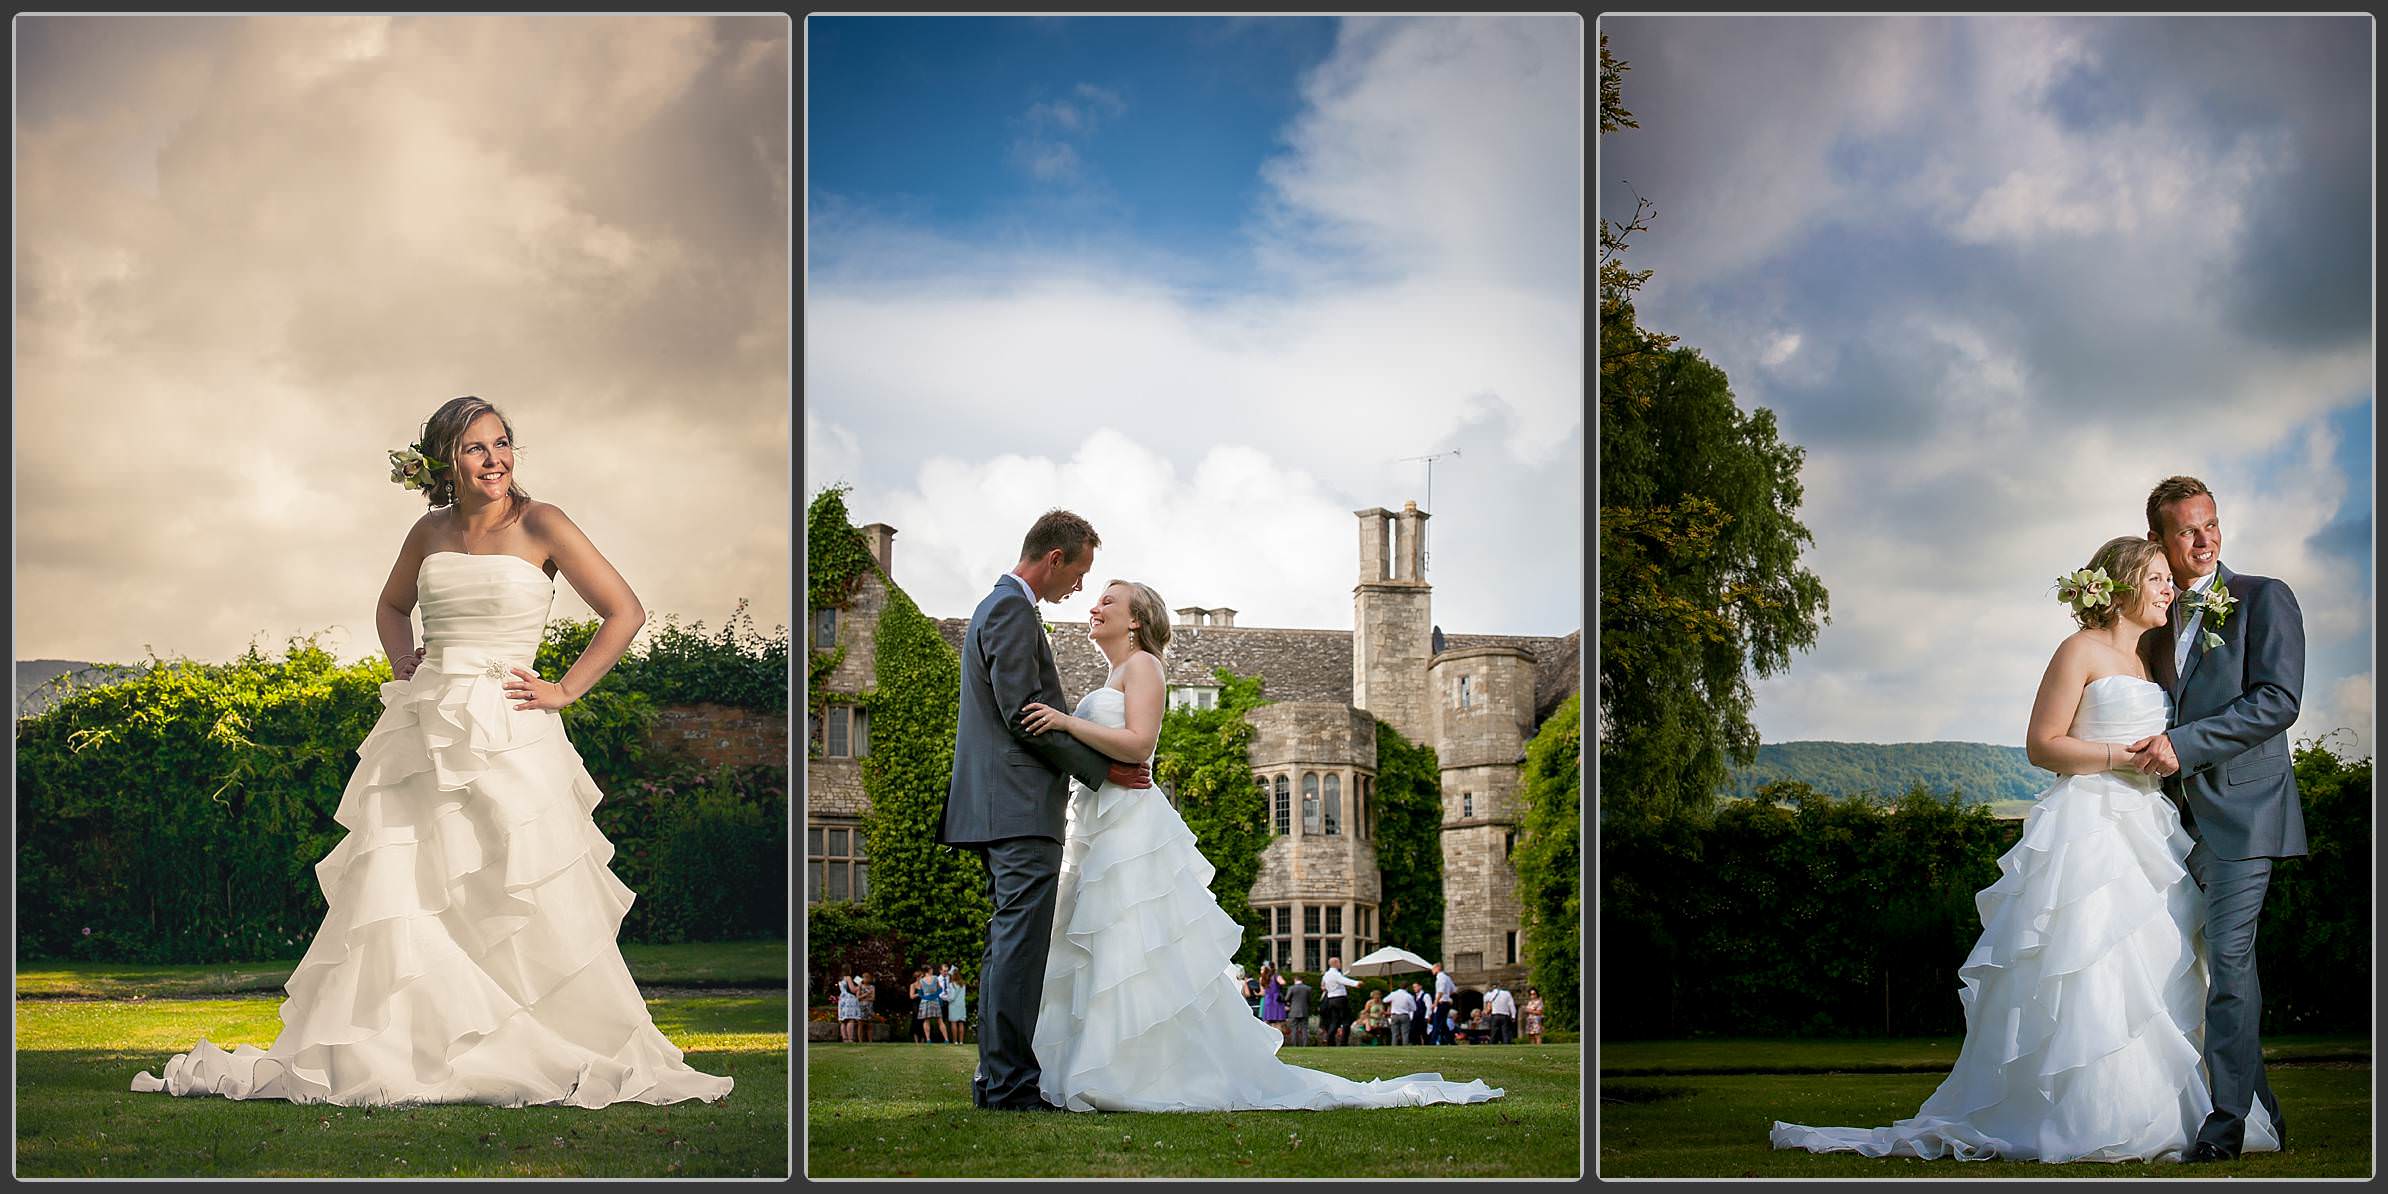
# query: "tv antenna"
[[1426, 557]]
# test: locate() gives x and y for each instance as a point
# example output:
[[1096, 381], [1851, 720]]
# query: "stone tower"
[[1392, 621], [1483, 700]]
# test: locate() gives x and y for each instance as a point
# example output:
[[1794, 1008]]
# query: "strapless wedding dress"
[[2085, 996], [1138, 1012], [468, 955]]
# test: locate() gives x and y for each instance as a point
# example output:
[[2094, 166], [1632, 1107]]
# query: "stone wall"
[[1479, 899], [833, 788], [1499, 718], [858, 632], [719, 735], [1392, 635]]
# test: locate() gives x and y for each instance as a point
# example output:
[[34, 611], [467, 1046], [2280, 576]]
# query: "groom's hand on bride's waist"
[[1131, 775]]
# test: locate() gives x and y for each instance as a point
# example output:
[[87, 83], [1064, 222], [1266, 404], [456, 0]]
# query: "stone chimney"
[[880, 538], [1190, 615], [1222, 617]]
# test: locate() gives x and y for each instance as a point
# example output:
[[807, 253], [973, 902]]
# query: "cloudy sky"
[[1205, 281], [1999, 276], [256, 253]]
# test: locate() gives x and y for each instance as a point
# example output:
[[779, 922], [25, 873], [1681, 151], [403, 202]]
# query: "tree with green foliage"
[[1203, 759], [1409, 842], [1700, 576], [1548, 854]]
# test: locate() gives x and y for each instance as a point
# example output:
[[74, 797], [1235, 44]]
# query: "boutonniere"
[[1049, 630], [2216, 604]]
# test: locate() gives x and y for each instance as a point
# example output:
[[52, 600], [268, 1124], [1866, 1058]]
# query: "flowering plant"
[[2088, 588], [410, 468], [2216, 604]]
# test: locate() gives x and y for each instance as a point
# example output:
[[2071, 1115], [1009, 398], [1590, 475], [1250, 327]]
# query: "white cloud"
[[1436, 156], [341, 223]]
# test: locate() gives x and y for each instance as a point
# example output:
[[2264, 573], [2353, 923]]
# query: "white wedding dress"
[[468, 955], [2085, 996], [1139, 1013]]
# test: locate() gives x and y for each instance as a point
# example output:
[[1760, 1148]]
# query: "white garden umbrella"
[[1389, 960]]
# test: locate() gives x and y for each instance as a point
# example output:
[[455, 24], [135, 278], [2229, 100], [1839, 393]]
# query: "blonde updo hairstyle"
[[2125, 559], [441, 434], [1151, 615]]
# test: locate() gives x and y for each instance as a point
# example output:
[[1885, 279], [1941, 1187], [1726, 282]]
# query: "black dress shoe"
[[2207, 1150], [1031, 1105]]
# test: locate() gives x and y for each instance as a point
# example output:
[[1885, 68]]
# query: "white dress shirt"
[[1445, 987], [1334, 984], [1399, 1003], [1503, 1003], [2190, 621]]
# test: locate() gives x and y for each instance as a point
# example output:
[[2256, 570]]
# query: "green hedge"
[[1804, 914], [177, 815]]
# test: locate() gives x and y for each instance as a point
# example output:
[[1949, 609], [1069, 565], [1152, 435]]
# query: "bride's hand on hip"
[[535, 693], [404, 666], [1037, 717]]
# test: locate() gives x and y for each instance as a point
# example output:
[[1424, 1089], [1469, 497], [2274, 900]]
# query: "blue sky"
[[1207, 281], [1998, 276], [930, 118]]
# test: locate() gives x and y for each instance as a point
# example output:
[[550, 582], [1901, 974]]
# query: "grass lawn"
[[903, 1110], [704, 964], [78, 1117], [1697, 1109]]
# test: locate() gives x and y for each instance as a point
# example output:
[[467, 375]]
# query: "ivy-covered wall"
[[1409, 841], [1204, 757], [1549, 888]]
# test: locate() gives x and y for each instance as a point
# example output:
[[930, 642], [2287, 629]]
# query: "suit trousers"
[[1301, 1029], [1397, 1030], [2234, 1056], [1023, 883], [1337, 1021], [1504, 1028]]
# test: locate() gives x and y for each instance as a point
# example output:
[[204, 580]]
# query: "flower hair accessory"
[[2216, 605], [411, 468], [2089, 588]]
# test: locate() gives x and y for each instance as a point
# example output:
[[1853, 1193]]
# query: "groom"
[[2235, 667], [1008, 799]]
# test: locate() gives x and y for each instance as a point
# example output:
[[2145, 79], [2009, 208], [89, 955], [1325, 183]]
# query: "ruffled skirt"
[[1139, 1012], [2084, 999], [469, 953]]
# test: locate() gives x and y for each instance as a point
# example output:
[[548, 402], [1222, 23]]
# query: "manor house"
[[1477, 698]]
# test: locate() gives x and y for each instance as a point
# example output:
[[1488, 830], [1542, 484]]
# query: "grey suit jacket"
[[1006, 781], [2231, 710]]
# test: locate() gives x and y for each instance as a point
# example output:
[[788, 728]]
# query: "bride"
[[468, 955], [2085, 995], [1139, 1012]]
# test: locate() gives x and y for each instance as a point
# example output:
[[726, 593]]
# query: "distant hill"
[[1980, 772], [34, 676]]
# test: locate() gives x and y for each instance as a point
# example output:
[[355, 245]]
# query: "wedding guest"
[[1446, 992], [926, 1008], [1421, 1020], [1399, 1007], [1337, 987], [957, 1008], [1503, 1008], [870, 1007], [1297, 1011], [1272, 997], [849, 1009], [1372, 1020], [1533, 1015], [1479, 1028]]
